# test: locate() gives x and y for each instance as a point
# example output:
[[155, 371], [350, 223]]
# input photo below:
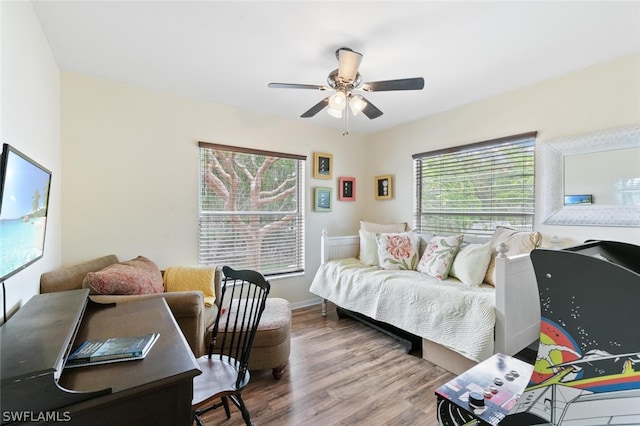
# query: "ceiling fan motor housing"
[[337, 83]]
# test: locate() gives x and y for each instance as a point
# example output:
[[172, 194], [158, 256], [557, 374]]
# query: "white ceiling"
[[228, 51]]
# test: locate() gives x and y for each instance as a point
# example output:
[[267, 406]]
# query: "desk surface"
[[168, 360], [153, 391]]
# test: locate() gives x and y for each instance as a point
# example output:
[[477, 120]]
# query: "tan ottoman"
[[272, 344]]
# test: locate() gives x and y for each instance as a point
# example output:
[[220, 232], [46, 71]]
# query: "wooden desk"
[[154, 391]]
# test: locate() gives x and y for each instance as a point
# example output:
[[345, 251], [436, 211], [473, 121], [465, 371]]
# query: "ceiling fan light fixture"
[[336, 113], [357, 104], [338, 101], [346, 79]]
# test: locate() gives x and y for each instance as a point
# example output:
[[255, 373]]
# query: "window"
[[472, 189], [251, 209]]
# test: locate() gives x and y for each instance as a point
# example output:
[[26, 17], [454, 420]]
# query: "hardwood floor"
[[341, 372]]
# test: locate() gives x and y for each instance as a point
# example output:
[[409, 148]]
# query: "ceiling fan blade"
[[370, 110], [416, 83], [348, 64], [297, 86], [316, 108]]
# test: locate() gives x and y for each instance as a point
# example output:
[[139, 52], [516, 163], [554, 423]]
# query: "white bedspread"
[[446, 312]]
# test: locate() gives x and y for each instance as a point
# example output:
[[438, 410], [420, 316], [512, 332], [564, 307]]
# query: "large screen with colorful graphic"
[[24, 202]]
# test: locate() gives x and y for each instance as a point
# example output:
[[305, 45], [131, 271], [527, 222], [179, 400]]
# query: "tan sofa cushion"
[[71, 277]]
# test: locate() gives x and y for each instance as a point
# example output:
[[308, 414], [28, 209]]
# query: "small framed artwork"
[[383, 187], [322, 165], [322, 199], [347, 189]]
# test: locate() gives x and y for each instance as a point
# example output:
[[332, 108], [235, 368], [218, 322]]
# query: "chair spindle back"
[[243, 298]]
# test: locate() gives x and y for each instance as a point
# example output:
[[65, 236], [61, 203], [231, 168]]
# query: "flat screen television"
[[24, 203]]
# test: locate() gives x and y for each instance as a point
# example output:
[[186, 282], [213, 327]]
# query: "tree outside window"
[[251, 209], [473, 189]]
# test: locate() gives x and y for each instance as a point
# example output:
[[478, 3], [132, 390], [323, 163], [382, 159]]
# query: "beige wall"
[[30, 121], [599, 97], [130, 158]]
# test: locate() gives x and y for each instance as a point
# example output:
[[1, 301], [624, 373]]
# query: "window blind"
[[472, 189], [251, 209]]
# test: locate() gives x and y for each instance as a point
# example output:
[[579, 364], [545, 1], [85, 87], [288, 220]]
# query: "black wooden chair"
[[224, 368]]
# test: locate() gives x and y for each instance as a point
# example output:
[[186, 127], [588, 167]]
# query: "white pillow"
[[368, 248], [438, 256], [518, 243], [398, 250], [471, 263], [378, 227]]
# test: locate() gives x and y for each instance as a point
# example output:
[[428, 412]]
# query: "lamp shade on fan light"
[[338, 101], [335, 113], [357, 104]]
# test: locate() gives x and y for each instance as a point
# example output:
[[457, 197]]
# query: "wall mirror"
[[602, 155]]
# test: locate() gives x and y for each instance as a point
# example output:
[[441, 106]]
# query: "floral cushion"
[[438, 256], [135, 276], [398, 250]]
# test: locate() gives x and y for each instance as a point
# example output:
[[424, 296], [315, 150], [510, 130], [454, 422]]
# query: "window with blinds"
[[472, 189], [251, 209]]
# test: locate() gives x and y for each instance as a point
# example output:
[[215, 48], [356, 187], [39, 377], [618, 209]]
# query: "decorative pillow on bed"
[[368, 248], [471, 262], [438, 256], [398, 250], [135, 276], [518, 243], [368, 242]]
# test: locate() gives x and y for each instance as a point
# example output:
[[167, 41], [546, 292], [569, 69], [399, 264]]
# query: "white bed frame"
[[517, 303]]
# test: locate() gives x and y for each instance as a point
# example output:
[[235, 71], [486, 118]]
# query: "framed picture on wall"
[[322, 199], [322, 165], [347, 189], [383, 189]]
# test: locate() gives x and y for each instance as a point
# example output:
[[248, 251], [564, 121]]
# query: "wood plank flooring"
[[341, 372]]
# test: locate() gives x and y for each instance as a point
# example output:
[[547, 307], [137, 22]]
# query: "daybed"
[[459, 324]]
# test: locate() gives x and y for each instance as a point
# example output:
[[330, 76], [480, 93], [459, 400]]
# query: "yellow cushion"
[[189, 278]]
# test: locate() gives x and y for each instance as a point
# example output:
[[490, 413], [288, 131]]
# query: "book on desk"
[[113, 349]]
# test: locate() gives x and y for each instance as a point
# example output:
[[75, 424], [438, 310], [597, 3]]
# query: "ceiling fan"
[[344, 81]]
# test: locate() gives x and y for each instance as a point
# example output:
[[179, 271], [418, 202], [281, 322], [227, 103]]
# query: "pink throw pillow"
[[135, 276]]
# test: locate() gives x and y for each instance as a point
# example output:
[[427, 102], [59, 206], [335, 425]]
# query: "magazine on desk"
[[113, 349]]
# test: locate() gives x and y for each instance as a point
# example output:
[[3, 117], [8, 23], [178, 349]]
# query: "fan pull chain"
[[345, 115]]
